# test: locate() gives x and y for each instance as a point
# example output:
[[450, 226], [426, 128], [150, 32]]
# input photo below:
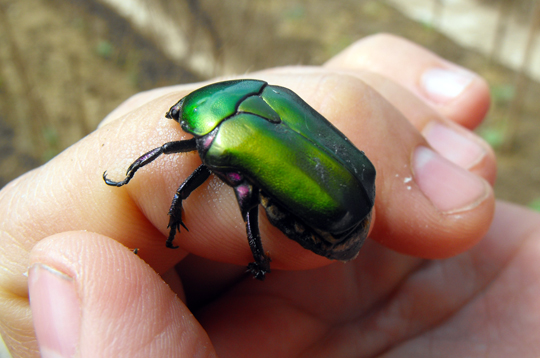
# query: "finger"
[[450, 217], [503, 268], [142, 98], [453, 91], [451, 140], [92, 296], [386, 302]]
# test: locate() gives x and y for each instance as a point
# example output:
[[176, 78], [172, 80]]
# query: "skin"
[[479, 298]]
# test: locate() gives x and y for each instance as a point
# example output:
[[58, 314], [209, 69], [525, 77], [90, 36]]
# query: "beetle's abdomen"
[[343, 247], [303, 177]]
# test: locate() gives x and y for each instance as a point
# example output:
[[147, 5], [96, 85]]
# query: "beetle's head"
[[175, 112]]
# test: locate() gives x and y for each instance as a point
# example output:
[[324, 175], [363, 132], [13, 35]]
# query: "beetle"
[[274, 150]]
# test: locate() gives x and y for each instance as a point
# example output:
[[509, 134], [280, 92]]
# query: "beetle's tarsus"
[[247, 196], [170, 239], [174, 225], [175, 212], [259, 269], [180, 146], [195, 180], [112, 182]]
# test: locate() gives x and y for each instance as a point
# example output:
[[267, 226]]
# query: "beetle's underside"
[[343, 246]]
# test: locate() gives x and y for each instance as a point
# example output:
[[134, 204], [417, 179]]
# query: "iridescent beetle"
[[273, 149]]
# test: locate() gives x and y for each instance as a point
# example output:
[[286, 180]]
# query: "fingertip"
[[428, 239], [444, 211], [461, 147], [56, 310], [455, 92], [122, 299]]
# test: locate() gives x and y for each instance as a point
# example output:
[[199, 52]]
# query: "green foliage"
[[104, 49], [535, 204], [494, 136], [50, 134], [296, 12], [503, 93]]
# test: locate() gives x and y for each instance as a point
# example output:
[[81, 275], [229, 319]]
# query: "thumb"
[[92, 297]]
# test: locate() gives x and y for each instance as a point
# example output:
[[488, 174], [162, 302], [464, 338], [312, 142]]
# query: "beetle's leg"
[[261, 266], [248, 200], [195, 180], [167, 148]]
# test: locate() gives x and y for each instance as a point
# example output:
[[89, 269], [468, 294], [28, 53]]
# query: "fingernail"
[[442, 85], [449, 187], [55, 310], [453, 145]]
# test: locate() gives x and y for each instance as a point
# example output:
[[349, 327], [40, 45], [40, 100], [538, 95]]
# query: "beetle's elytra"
[[273, 149]]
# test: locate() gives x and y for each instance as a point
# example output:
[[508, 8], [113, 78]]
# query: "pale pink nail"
[[441, 85], [55, 310], [453, 145], [449, 187]]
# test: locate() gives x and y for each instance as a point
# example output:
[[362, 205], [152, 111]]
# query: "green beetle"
[[273, 149]]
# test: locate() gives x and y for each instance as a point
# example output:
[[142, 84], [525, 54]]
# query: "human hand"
[[115, 304]]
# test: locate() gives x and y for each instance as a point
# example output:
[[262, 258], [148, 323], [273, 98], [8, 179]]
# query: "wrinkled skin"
[[478, 298]]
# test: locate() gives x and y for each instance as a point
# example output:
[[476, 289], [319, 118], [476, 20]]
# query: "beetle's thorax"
[[203, 110]]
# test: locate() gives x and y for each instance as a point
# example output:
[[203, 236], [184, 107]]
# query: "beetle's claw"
[[256, 271], [173, 226], [169, 242], [114, 183], [107, 180], [259, 269]]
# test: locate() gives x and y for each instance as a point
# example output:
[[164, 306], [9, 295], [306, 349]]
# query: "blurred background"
[[65, 64]]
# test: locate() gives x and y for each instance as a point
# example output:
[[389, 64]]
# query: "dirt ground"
[[65, 64]]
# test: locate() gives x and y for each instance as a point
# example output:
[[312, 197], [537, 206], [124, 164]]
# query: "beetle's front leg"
[[195, 180], [248, 200], [167, 148]]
